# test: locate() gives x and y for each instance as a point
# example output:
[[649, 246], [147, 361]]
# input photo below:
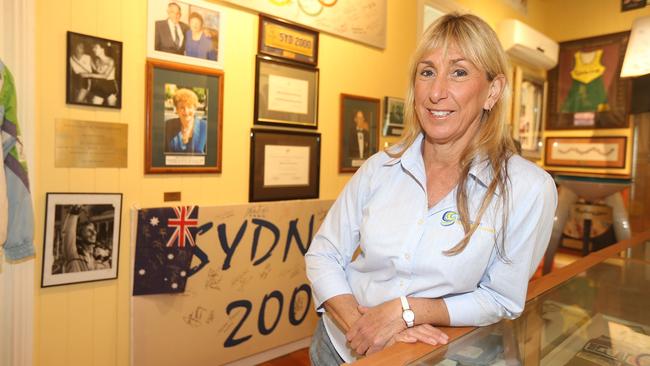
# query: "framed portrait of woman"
[[186, 31], [584, 89], [93, 71], [184, 118], [82, 237]]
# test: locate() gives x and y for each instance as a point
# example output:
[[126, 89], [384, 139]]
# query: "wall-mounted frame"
[[286, 40], [186, 31], [528, 112], [585, 91], [393, 116], [586, 152], [359, 132], [93, 71], [632, 4], [184, 118], [82, 237], [286, 93], [284, 165]]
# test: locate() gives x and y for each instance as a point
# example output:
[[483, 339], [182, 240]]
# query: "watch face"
[[408, 315]]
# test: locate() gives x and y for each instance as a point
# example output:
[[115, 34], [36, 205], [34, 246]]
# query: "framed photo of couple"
[[93, 71], [184, 118], [186, 31]]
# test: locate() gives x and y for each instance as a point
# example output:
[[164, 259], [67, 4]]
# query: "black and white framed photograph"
[[284, 165], [286, 93], [82, 237], [93, 71], [187, 31]]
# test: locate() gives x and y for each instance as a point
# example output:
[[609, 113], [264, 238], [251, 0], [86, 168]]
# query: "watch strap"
[[405, 303]]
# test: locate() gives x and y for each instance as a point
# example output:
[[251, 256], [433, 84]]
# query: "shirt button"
[[401, 283], [420, 222], [407, 256]]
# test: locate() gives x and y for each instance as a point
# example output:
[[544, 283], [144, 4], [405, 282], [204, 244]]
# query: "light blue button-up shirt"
[[383, 211]]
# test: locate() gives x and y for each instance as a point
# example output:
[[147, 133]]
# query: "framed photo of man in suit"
[[187, 31], [359, 134]]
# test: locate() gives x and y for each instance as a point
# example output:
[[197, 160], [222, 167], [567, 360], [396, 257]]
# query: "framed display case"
[[529, 112], [287, 40]]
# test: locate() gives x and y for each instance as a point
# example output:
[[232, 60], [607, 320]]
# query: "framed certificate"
[[289, 41], [284, 165], [586, 152], [286, 94]]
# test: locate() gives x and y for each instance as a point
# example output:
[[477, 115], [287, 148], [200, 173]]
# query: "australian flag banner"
[[165, 246]]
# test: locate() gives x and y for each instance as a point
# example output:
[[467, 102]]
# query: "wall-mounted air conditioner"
[[527, 45]]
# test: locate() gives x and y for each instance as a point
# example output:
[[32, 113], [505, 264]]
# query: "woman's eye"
[[459, 73], [426, 73]]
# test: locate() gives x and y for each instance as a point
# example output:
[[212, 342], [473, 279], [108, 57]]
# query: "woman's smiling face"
[[450, 95]]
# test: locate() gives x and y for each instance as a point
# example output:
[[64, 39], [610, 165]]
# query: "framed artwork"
[[286, 40], [284, 165], [359, 133], [186, 31], [93, 71], [586, 152], [632, 4], [184, 118], [393, 116], [584, 90], [286, 94], [82, 237], [528, 112]]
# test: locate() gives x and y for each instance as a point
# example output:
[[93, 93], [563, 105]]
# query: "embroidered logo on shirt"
[[449, 218]]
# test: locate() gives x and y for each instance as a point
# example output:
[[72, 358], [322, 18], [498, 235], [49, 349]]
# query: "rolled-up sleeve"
[[334, 244], [501, 292]]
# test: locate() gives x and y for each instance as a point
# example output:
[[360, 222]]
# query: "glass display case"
[[600, 316]]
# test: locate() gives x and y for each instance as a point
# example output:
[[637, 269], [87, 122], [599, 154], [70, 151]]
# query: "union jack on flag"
[[182, 224]]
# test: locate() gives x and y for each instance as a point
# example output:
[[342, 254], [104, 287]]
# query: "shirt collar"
[[412, 161]]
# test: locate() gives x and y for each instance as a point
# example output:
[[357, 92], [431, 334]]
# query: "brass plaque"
[[171, 196], [86, 144]]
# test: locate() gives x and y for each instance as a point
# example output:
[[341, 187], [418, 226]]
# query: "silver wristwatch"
[[407, 313]]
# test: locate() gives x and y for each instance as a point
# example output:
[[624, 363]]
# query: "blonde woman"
[[445, 228]]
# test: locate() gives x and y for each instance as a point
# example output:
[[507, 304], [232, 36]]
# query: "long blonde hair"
[[479, 44]]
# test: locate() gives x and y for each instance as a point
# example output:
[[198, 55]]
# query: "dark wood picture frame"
[[352, 107], [93, 71], [289, 149], [627, 5], [568, 152], [287, 40], [62, 264], [163, 148], [607, 94], [393, 116], [285, 107]]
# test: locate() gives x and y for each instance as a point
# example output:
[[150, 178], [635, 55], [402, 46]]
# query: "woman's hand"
[[425, 333], [376, 327]]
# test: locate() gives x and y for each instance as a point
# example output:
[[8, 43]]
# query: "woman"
[[188, 132], [79, 242], [103, 86], [198, 43], [447, 226]]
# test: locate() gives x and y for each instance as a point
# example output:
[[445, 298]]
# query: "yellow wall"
[[88, 324]]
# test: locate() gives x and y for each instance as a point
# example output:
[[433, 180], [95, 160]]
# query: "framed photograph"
[[184, 118], [393, 116], [186, 31], [286, 40], [528, 113], [82, 237], [285, 165], [632, 4], [286, 94], [586, 152], [93, 71], [584, 90], [359, 133]]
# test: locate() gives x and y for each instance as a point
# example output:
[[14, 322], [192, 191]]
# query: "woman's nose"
[[438, 89]]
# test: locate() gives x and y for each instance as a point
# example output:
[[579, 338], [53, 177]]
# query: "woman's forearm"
[[343, 309], [429, 311]]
